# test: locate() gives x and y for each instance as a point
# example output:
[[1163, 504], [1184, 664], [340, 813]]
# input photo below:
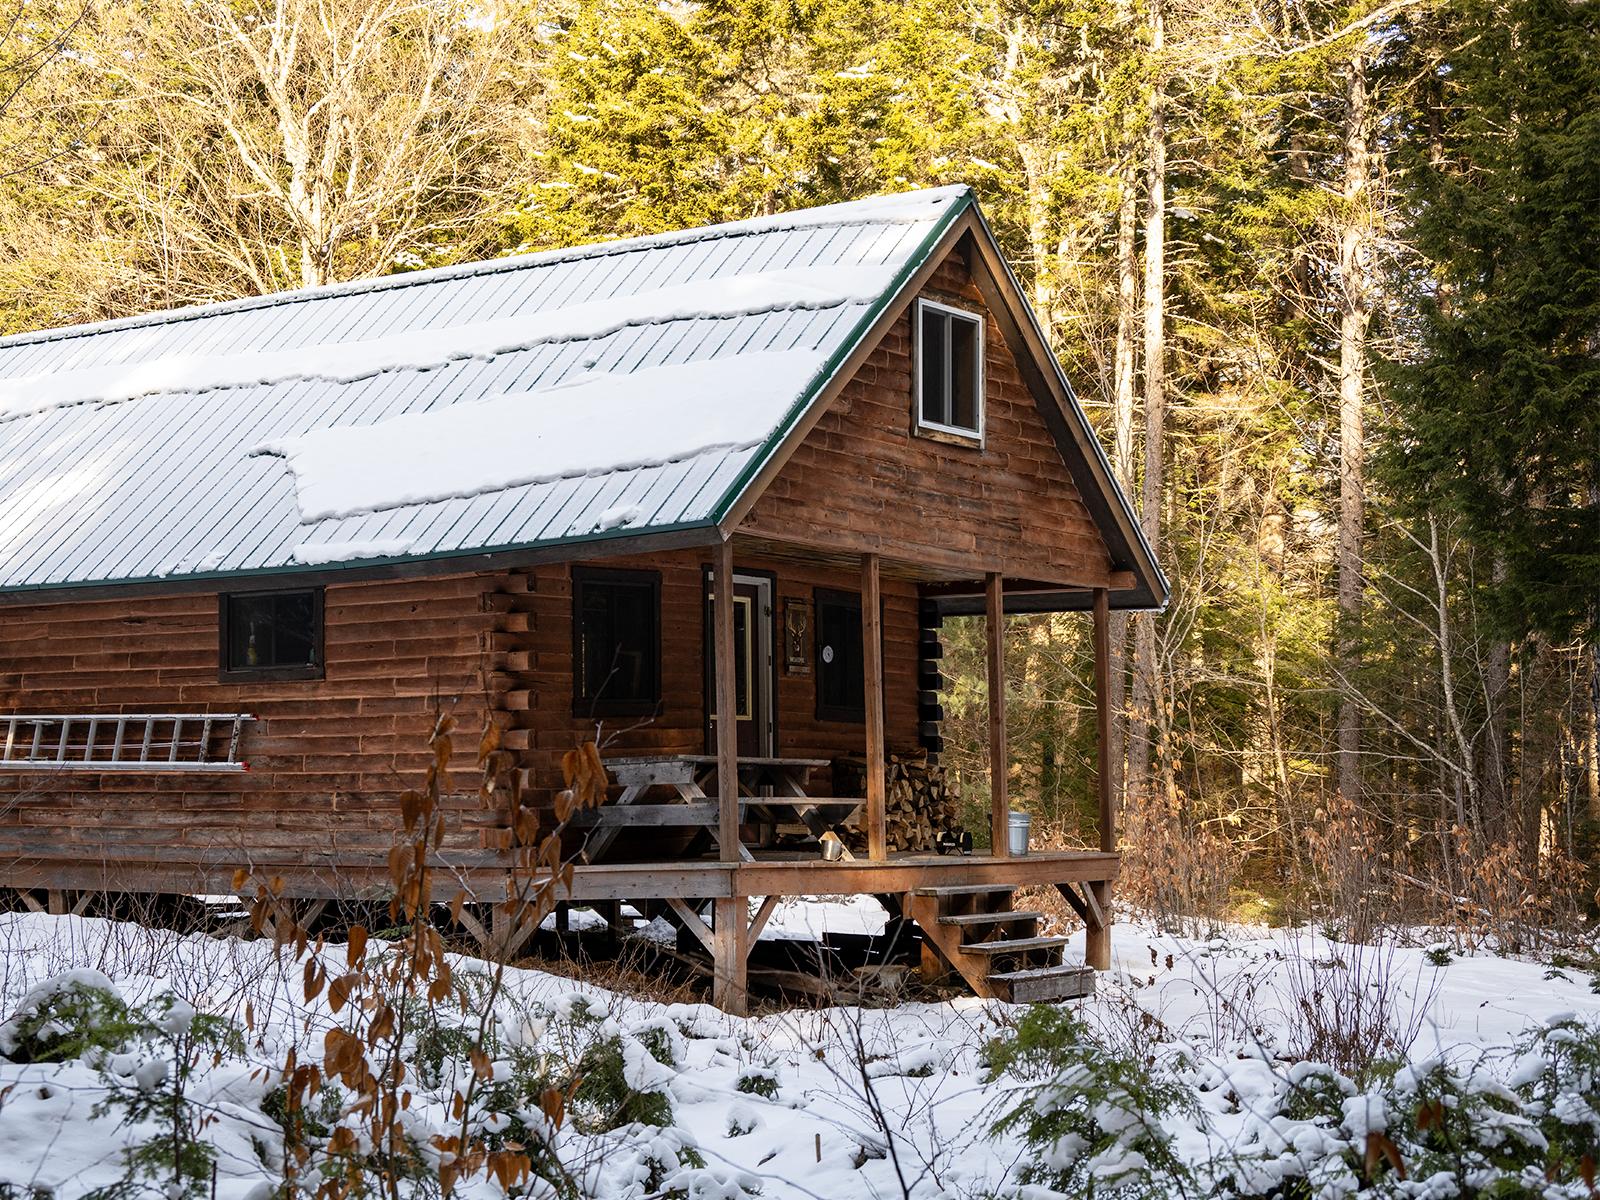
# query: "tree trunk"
[[1592, 759], [1353, 312], [1494, 796], [1155, 414], [1124, 368]]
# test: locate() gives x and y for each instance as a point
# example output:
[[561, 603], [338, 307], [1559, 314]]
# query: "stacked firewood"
[[920, 802]]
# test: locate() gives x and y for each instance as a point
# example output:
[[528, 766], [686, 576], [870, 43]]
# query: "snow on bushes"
[[1094, 1121], [116, 1087]]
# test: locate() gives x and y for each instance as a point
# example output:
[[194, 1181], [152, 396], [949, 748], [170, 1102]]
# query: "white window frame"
[[971, 436]]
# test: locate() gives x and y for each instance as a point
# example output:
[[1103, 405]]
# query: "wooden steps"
[[968, 889], [1044, 984], [973, 930], [992, 918]]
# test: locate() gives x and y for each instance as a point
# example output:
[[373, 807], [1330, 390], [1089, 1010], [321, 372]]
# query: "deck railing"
[[153, 743]]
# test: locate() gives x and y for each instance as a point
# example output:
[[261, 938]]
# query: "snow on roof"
[[617, 388], [650, 418]]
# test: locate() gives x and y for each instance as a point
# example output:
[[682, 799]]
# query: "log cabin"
[[252, 549]]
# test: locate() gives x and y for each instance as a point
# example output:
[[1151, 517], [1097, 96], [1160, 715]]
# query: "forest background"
[[1326, 277]]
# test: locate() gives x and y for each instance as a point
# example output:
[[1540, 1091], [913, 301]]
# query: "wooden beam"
[[759, 921], [813, 543], [730, 960], [872, 666], [727, 717], [1085, 904], [692, 922], [999, 758], [964, 588], [1097, 946], [1102, 709]]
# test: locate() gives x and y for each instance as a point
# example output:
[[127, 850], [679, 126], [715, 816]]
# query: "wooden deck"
[[899, 873], [318, 874], [961, 903]]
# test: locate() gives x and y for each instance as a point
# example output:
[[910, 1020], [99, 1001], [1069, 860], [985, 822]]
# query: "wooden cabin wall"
[[327, 758], [547, 726], [863, 480]]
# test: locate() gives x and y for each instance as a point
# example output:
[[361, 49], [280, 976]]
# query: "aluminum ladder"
[[153, 743]]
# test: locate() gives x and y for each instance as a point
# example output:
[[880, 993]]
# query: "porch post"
[[1097, 944], [727, 718], [730, 922], [999, 757], [730, 935], [872, 666]]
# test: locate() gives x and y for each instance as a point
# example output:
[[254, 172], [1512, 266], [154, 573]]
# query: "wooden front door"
[[752, 665]]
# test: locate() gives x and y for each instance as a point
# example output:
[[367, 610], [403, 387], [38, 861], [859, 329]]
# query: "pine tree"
[[1499, 414]]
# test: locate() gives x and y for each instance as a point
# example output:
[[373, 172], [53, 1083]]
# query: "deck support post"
[[872, 667], [730, 960], [727, 720], [730, 918], [999, 757], [1097, 946]]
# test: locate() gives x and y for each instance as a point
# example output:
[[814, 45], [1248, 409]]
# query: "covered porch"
[[960, 902]]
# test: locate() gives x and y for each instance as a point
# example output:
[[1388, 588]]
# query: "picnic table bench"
[[767, 786]]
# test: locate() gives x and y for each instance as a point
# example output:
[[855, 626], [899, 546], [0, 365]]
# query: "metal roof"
[[109, 476]]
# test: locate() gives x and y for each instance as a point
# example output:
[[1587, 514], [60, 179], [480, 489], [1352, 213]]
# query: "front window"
[[949, 357], [272, 635], [841, 671], [616, 642]]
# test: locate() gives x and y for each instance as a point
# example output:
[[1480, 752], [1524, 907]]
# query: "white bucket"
[[1017, 833]]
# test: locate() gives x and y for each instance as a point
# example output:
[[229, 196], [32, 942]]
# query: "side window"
[[616, 619], [841, 684], [949, 370], [271, 635]]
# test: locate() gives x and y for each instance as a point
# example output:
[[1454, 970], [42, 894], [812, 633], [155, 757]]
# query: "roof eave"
[[607, 544]]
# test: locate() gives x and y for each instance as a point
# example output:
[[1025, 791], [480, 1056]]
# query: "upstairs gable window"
[[949, 374]]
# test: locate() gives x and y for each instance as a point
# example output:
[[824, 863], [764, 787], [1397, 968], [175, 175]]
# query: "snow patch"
[[621, 515], [315, 553], [592, 424]]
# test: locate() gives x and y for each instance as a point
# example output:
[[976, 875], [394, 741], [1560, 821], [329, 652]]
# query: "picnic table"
[[772, 793]]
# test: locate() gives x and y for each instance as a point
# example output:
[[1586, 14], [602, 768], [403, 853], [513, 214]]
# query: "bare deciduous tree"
[[1354, 310], [32, 36], [297, 142]]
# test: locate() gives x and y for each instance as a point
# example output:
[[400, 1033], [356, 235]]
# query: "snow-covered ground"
[[868, 1102]]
